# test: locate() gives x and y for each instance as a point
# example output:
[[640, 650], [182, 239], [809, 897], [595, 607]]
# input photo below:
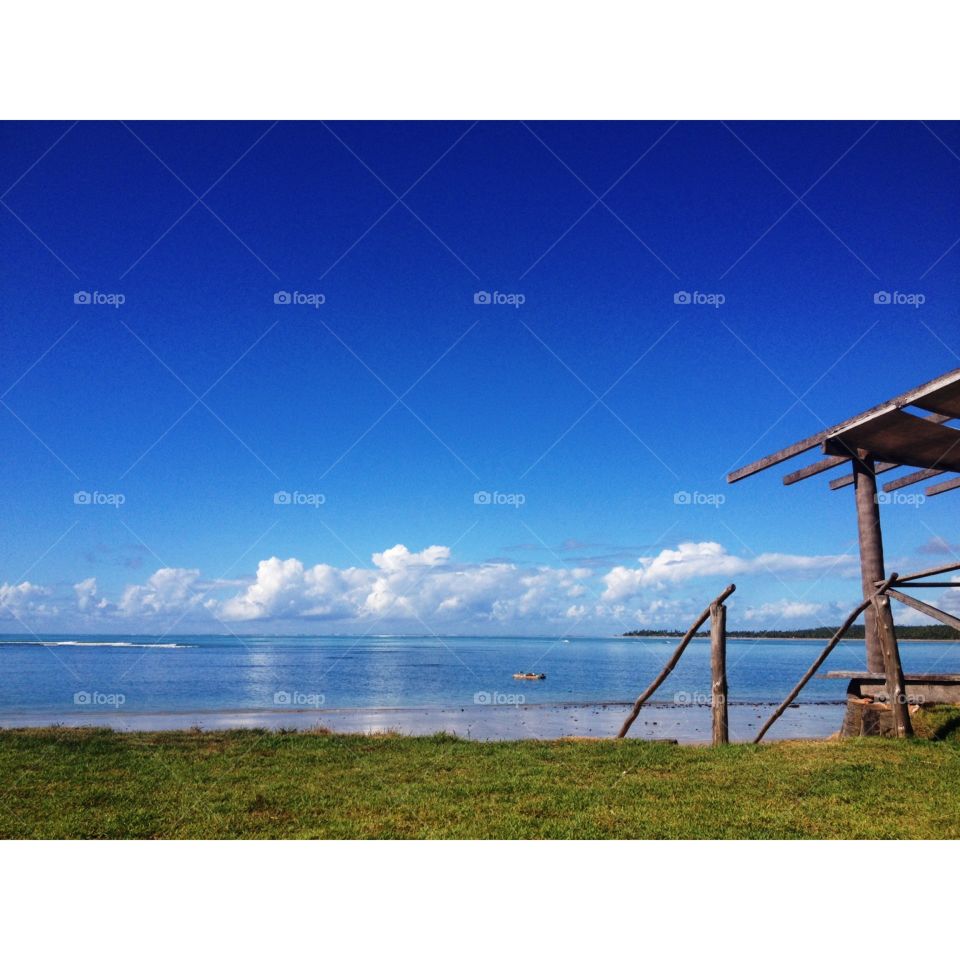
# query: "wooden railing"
[[879, 601], [717, 613]]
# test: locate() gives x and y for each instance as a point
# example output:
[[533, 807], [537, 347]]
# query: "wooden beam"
[[925, 608], [828, 463], [881, 467], [909, 677], [929, 572], [903, 400], [945, 401], [910, 478], [871, 552], [896, 685], [884, 466], [901, 437], [939, 584], [939, 488]]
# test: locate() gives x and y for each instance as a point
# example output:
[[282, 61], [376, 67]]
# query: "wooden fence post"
[[718, 666], [672, 662]]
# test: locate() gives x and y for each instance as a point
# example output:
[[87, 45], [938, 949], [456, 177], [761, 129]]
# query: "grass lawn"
[[94, 783]]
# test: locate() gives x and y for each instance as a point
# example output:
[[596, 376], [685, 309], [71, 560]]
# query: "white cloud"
[[401, 590], [710, 559], [773, 613], [285, 589], [22, 599], [402, 585], [171, 590], [86, 594]]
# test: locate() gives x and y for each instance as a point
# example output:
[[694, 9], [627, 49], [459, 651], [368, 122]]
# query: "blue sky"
[[588, 407]]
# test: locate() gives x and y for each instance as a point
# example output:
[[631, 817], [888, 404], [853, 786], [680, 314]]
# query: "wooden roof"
[[889, 434]]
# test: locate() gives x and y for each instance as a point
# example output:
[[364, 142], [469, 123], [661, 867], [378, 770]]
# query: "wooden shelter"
[[910, 430]]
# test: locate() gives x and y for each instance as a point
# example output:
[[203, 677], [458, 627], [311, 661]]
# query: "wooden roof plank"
[[939, 488], [901, 437], [884, 467], [828, 463], [909, 479], [910, 397], [881, 467], [945, 401]]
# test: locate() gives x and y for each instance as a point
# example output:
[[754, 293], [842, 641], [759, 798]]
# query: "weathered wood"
[[900, 437], [918, 477], [896, 685], [671, 663], [871, 550], [939, 488], [945, 401], [852, 725], [929, 572], [828, 463], [936, 584], [847, 481], [718, 670], [932, 387], [926, 608], [883, 467], [822, 656], [909, 677]]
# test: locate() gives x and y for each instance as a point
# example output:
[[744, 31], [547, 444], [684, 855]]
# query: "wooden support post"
[[871, 552], [718, 665], [896, 685]]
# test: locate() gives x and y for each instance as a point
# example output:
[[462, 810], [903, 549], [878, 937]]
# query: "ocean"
[[419, 684]]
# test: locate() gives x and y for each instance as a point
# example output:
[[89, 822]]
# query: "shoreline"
[[685, 723]]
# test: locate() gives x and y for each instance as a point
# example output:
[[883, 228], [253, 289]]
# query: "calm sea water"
[[57, 676]]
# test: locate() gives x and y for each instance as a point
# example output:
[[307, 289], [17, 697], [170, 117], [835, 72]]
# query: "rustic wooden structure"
[[717, 613], [883, 438], [879, 703]]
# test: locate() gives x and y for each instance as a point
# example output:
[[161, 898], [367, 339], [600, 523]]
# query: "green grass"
[[95, 783]]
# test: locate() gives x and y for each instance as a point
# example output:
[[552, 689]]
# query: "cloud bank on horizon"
[[428, 591]]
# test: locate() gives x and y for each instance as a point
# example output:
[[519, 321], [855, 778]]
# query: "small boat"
[[529, 676]]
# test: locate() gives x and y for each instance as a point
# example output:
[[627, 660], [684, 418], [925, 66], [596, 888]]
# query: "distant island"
[[932, 632]]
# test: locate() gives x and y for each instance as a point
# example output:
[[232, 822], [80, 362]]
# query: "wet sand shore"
[[657, 721]]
